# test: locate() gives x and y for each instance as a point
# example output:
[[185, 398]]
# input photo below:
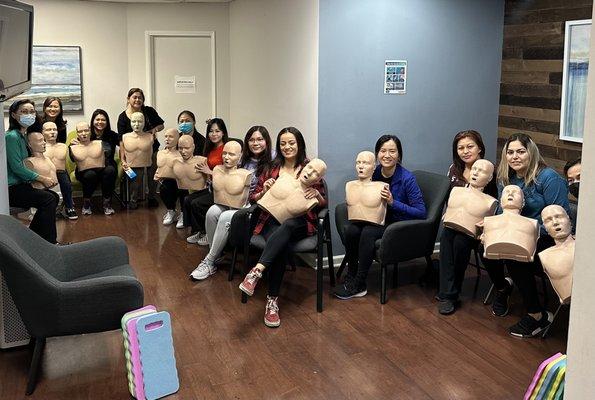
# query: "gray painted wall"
[[453, 49]]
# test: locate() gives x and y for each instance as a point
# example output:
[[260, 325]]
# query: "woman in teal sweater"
[[20, 192]]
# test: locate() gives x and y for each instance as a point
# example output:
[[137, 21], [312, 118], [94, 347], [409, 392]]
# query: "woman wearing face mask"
[[135, 102], [187, 126], [404, 201], [522, 165], [197, 204], [290, 159], [20, 192], [53, 112], [256, 157]]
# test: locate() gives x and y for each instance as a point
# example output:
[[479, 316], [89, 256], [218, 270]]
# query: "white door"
[[182, 75]]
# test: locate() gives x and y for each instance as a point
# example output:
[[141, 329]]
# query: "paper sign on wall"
[[185, 84], [395, 77]]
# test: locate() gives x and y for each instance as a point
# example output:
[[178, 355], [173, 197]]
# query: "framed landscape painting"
[[56, 72]]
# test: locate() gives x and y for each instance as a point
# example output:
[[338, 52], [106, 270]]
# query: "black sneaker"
[[152, 203], [501, 304], [350, 289], [529, 327], [447, 306], [71, 214]]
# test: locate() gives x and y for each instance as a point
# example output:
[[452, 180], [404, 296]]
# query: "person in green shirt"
[[20, 192]]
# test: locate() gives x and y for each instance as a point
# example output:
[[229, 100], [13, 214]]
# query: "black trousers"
[[522, 274], [45, 201], [455, 250], [91, 178], [169, 192], [152, 183], [360, 248], [275, 255], [195, 209]]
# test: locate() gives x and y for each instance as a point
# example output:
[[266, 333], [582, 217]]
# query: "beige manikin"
[[55, 151], [138, 145], [187, 176], [167, 157], [364, 202], [231, 185], [39, 162], [88, 153]]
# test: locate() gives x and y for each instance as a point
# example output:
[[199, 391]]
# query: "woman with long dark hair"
[[53, 112]]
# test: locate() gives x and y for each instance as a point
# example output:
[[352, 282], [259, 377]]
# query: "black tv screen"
[[16, 41]]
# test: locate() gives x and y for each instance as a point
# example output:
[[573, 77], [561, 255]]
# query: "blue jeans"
[[65, 188]]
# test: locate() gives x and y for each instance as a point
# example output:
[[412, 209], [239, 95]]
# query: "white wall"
[[274, 66], [581, 338]]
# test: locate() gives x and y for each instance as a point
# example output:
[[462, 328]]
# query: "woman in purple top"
[[404, 201]]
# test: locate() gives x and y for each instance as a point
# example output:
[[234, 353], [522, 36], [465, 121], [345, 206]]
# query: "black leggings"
[[360, 248], [522, 274], [196, 205], [275, 255], [455, 250], [90, 178], [45, 201], [170, 193]]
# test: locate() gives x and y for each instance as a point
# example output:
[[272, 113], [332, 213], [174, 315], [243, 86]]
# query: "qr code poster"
[[395, 77]]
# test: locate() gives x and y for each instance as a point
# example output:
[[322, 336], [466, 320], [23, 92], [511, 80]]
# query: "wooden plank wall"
[[531, 83]]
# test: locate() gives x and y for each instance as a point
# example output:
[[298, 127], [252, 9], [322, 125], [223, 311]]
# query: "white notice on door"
[[185, 84]]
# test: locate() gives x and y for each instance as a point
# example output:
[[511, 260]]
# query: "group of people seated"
[[209, 179]]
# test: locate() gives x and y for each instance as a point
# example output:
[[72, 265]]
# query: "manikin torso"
[[138, 148], [468, 206], [231, 186], [56, 152], [166, 159], [285, 199], [186, 174], [43, 166], [364, 202], [88, 155]]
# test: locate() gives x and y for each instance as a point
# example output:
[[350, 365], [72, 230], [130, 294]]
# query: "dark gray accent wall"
[[453, 49]]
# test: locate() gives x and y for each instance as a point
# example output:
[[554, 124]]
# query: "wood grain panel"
[[541, 138], [529, 124], [534, 41], [524, 16], [538, 102], [524, 90], [531, 113], [533, 29], [532, 65], [525, 77], [544, 53], [512, 5]]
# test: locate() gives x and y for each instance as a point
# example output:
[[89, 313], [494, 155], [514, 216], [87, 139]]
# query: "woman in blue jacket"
[[404, 201]]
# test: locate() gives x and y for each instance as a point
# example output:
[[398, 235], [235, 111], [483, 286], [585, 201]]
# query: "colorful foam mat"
[[548, 381]]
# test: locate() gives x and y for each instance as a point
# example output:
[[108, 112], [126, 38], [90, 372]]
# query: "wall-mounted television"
[[16, 42]]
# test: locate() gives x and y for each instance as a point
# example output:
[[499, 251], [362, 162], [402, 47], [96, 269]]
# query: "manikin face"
[[364, 165], [256, 143], [36, 142], [574, 174], [388, 155], [517, 157], [556, 221], [137, 122], [215, 134], [232, 151], [50, 132], [136, 100], [83, 132], [186, 147], [288, 145], [313, 172], [481, 173], [512, 198], [99, 122], [171, 137], [52, 110], [468, 150]]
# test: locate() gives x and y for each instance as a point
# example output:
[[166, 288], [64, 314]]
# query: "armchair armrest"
[[93, 256], [405, 240]]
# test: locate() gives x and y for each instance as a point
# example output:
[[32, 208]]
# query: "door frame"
[[150, 52]]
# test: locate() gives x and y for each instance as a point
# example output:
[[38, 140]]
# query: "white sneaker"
[[203, 271], [180, 224], [203, 240], [169, 217], [194, 238]]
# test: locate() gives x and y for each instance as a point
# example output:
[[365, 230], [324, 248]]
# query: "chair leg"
[[331, 262], [35, 365], [319, 277], [478, 275], [486, 299], [383, 283], [341, 267], [233, 264], [544, 334]]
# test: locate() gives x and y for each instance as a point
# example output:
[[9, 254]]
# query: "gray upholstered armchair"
[[80, 288]]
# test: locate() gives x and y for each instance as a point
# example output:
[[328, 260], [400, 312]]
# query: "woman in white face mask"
[[20, 192]]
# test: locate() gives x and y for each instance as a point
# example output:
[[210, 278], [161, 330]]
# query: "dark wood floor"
[[355, 349]]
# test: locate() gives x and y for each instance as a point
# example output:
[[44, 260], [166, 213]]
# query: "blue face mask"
[[26, 120], [185, 127]]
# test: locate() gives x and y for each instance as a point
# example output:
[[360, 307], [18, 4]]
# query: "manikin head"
[[364, 165], [83, 132], [556, 222], [50, 132], [137, 122], [232, 152], [186, 147], [481, 173], [171, 137], [36, 142], [512, 198], [312, 172]]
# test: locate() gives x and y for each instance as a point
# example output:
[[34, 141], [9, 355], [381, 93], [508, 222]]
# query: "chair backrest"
[[435, 189]]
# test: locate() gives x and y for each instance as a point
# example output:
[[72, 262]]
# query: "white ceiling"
[[158, 1]]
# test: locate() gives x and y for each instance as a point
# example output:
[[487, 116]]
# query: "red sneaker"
[[250, 281], [271, 313]]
